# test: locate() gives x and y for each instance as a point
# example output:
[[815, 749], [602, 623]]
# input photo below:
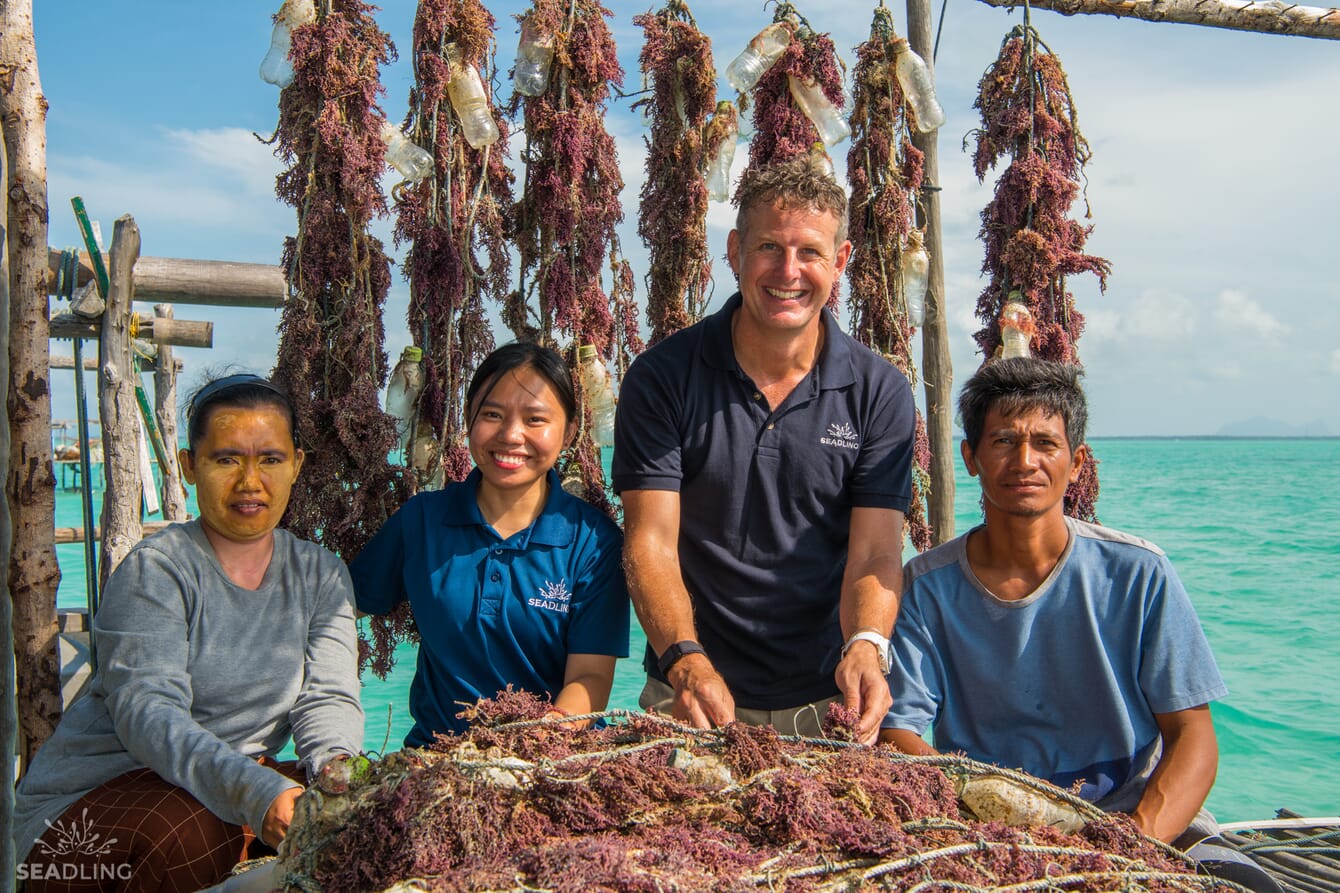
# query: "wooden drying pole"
[[1264, 16], [117, 409], [9, 720], [937, 371], [30, 485], [165, 409]]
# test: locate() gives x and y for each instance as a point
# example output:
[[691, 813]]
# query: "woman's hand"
[[278, 817]]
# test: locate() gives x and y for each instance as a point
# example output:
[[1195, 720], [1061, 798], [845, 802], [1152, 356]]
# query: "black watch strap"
[[672, 654]]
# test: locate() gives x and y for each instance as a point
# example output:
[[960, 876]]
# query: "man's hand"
[[864, 689], [278, 817], [702, 698]]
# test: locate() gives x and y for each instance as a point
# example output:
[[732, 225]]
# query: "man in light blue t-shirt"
[[1062, 648]]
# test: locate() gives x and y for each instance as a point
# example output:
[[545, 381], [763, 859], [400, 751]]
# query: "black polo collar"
[[835, 360]]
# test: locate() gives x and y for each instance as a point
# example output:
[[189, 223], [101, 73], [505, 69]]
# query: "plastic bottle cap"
[[586, 352], [413, 354]]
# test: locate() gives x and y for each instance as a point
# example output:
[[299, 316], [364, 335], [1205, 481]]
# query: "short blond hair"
[[797, 183]]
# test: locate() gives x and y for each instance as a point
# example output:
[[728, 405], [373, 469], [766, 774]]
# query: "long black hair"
[[521, 355]]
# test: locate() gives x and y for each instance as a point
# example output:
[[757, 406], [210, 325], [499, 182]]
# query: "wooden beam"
[[118, 412], [9, 719], [1263, 16], [30, 485], [65, 535], [181, 332], [175, 280], [937, 370], [61, 361], [165, 410]]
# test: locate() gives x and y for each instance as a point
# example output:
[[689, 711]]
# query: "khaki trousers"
[[806, 720]]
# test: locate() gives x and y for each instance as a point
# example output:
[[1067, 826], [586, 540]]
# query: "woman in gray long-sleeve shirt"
[[218, 639]]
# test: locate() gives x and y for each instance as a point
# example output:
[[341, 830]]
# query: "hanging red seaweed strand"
[[330, 351], [677, 63], [567, 216], [885, 171], [455, 223], [781, 130], [1032, 244], [449, 219]]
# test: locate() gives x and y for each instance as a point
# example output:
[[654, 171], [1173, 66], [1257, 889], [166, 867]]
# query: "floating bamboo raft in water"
[[1302, 854]]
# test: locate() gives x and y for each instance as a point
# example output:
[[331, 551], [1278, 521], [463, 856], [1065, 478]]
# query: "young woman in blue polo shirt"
[[512, 581]]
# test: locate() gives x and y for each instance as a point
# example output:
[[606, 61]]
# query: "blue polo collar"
[[554, 526], [835, 366]]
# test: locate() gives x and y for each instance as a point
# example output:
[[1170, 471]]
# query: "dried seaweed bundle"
[[523, 803], [885, 171], [567, 215], [1032, 244], [330, 350], [677, 63]]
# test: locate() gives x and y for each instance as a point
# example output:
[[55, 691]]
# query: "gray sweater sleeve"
[[327, 714], [142, 630]]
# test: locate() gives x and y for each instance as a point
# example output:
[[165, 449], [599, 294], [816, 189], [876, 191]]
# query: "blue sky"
[[1213, 185]]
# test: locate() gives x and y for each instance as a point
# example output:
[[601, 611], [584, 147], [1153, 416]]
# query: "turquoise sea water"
[[1253, 527]]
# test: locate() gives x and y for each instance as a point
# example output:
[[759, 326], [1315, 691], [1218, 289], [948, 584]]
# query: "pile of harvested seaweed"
[[521, 802]]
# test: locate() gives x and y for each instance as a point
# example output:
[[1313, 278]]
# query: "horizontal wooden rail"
[[66, 535], [179, 332], [180, 281]]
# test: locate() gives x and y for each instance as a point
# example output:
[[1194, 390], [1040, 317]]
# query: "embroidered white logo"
[[552, 597], [841, 435], [77, 839]]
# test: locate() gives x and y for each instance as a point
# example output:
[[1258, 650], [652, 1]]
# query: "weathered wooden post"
[[117, 409], [30, 486], [165, 409], [937, 372], [9, 721]]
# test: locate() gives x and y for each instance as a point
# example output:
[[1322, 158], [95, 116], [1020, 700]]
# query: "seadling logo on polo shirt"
[[842, 436], [552, 597]]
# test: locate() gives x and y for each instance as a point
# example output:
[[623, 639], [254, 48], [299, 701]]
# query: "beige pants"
[[806, 719]]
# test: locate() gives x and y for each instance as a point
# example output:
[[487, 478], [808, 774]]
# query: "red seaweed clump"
[[1032, 244]]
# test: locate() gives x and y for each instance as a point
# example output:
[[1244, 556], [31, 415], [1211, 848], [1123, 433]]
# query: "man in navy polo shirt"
[[764, 461]]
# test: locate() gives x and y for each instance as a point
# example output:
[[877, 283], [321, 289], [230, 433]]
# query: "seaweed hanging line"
[[567, 216], [885, 171], [330, 350], [1031, 243], [676, 60]]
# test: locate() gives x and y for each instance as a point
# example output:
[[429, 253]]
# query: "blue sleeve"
[[648, 449], [914, 673], [599, 623], [882, 477], [1177, 668], [378, 571]]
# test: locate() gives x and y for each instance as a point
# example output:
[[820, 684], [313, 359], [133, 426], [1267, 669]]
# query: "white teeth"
[[784, 294]]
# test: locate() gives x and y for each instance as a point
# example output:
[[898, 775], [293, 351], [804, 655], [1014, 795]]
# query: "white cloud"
[[1334, 366], [1234, 310]]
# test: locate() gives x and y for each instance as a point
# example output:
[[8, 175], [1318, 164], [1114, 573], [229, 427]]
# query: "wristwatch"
[[880, 642], [671, 655]]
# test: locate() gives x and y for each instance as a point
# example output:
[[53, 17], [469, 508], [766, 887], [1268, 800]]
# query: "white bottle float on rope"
[[471, 103], [916, 273], [718, 169], [403, 390], [410, 160], [825, 117], [277, 67], [534, 58], [918, 84], [598, 392], [764, 49], [821, 161], [1016, 328]]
